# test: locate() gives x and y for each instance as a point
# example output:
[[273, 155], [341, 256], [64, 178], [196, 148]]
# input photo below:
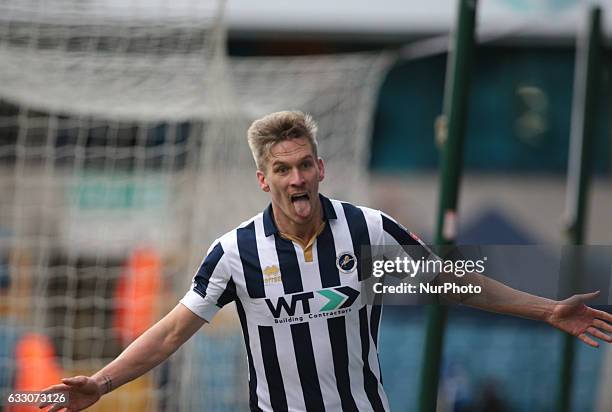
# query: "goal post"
[[123, 127]]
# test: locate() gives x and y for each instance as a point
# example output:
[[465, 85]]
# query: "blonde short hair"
[[277, 127]]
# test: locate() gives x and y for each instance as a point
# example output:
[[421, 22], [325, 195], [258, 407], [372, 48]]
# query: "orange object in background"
[[137, 294], [37, 367]]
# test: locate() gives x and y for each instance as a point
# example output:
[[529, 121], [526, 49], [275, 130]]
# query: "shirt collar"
[[268, 216]]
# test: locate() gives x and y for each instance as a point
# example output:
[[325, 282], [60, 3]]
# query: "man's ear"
[[321, 169], [261, 178]]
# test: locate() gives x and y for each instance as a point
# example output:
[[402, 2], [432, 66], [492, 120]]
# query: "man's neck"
[[304, 231]]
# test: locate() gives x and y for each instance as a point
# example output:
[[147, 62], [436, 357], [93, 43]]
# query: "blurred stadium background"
[[123, 155]]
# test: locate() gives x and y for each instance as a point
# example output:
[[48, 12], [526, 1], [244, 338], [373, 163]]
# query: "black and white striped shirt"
[[311, 340]]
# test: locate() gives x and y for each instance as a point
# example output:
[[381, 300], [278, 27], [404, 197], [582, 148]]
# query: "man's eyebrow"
[[309, 156], [277, 161]]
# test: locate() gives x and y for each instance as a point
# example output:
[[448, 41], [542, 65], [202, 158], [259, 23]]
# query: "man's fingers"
[[56, 407], [67, 385], [588, 340], [602, 325], [60, 387], [604, 315], [75, 380], [599, 334], [42, 405], [588, 296]]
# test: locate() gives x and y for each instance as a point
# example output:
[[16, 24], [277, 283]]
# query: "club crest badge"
[[346, 262]]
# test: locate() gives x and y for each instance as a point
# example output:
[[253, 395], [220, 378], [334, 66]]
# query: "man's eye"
[[281, 169], [306, 165]]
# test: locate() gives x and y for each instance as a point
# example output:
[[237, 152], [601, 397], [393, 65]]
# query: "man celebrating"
[[293, 273]]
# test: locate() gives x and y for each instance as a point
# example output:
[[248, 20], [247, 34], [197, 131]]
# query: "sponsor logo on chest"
[[326, 302]]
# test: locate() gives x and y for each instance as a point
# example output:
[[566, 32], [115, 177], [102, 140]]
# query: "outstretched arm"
[[570, 315], [147, 351]]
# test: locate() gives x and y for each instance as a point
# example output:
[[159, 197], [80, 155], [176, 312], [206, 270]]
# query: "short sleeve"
[[395, 234], [407, 244], [212, 286]]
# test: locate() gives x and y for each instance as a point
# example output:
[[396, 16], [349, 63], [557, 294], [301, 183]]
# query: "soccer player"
[[293, 273]]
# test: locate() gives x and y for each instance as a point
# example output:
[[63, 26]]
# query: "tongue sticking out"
[[302, 206]]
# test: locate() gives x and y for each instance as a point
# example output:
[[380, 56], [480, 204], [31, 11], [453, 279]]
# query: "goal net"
[[123, 155]]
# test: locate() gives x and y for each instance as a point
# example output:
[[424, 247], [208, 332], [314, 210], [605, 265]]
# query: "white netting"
[[122, 139], [113, 61]]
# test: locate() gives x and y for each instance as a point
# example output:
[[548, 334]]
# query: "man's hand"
[[574, 317], [147, 351], [83, 392]]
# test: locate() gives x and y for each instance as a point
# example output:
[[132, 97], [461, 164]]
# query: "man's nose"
[[297, 177]]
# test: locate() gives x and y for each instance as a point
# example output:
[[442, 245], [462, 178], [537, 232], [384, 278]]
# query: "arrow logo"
[[334, 298], [351, 293], [346, 297]]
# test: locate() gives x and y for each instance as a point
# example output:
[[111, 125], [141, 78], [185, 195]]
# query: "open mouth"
[[301, 204], [300, 196]]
